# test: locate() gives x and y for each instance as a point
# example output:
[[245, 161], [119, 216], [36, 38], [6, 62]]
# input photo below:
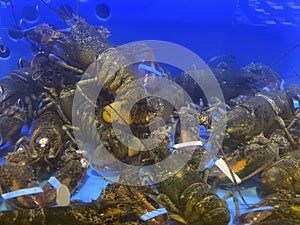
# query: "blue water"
[[208, 28], [249, 30]]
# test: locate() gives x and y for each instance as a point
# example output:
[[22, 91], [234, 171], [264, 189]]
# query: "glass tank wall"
[[150, 102]]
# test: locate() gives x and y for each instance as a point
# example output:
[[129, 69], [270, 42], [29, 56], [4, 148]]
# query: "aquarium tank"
[[149, 112]]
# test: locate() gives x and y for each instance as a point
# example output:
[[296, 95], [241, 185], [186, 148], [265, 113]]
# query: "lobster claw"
[[19, 187], [10, 126], [70, 173], [1, 140], [18, 101]]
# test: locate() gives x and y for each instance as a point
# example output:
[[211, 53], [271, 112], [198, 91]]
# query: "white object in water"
[[188, 144], [220, 163], [63, 195]]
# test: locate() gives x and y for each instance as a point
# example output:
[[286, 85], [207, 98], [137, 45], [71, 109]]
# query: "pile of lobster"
[[260, 140]]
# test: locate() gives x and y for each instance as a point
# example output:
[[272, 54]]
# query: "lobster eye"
[[20, 104], [42, 143], [1, 93]]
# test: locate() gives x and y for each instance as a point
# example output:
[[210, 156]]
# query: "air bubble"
[[4, 54], [65, 11], [102, 11], [14, 33], [4, 3], [4, 50], [30, 14]]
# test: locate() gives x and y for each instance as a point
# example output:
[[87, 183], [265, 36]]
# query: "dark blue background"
[[208, 28]]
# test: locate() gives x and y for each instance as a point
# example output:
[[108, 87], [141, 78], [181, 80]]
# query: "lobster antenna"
[[15, 19], [66, 14], [45, 3], [77, 7], [18, 27], [282, 57], [231, 173], [63, 13], [54, 11]]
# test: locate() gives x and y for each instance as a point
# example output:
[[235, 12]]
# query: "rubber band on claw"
[[54, 182], [150, 69], [188, 144], [22, 192], [153, 214]]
